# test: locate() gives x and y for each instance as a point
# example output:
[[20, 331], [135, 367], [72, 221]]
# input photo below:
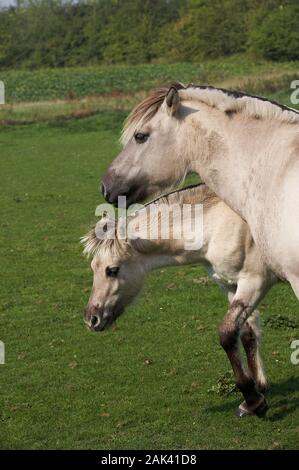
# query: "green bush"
[[59, 33], [278, 36], [206, 30]]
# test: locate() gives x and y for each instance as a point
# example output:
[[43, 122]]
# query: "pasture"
[[159, 379], [60, 94]]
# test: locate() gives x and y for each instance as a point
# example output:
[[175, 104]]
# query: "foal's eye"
[[112, 271], [141, 138]]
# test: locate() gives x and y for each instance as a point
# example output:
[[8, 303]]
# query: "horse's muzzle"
[[113, 187], [97, 319], [110, 187]]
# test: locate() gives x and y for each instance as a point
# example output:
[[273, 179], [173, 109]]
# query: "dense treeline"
[[55, 33]]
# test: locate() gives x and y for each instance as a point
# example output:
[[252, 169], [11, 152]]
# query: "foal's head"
[[118, 276]]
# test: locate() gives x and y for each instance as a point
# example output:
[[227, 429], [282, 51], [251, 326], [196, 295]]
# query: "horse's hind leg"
[[250, 337], [249, 293]]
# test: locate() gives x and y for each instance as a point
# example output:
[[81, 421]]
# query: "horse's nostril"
[[94, 321]]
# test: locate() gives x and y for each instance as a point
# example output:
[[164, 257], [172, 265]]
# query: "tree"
[[277, 36], [58, 33], [133, 27], [207, 29]]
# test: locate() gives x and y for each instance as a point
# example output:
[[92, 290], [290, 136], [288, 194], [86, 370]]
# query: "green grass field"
[[153, 381], [78, 82], [61, 94]]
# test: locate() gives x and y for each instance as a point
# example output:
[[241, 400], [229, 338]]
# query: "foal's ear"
[[172, 101], [105, 228]]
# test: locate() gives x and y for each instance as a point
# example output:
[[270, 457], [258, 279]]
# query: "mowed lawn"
[[150, 382]]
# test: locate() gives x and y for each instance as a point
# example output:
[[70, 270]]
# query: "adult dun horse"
[[245, 148]]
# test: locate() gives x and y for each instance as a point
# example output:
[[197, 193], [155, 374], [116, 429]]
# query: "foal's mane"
[[193, 193], [94, 246], [225, 100]]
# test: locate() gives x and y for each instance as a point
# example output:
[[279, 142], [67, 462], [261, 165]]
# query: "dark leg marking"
[[229, 333], [251, 345]]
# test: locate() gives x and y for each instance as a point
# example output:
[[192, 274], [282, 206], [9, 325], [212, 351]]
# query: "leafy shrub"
[[59, 33], [225, 385], [207, 29], [278, 36]]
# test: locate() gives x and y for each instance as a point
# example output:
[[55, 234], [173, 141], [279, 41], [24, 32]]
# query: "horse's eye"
[[141, 138], [112, 271]]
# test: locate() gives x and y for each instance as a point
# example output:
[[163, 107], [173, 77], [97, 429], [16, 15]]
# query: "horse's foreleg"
[[250, 336], [229, 332]]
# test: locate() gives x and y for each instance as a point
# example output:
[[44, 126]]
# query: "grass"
[[154, 381], [60, 110]]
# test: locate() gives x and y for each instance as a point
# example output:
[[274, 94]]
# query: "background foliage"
[[56, 33], [158, 378]]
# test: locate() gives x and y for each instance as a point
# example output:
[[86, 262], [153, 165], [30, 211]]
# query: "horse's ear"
[[172, 101], [105, 228]]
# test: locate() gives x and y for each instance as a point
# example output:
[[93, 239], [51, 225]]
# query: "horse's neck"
[[152, 261], [229, 159]]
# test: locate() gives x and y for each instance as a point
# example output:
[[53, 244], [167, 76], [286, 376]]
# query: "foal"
[[221, 241]]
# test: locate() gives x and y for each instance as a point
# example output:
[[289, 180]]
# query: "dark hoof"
[[263, 389], [242, 411], [262, 409]]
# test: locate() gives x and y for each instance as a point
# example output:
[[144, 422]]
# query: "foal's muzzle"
[[97, 319]]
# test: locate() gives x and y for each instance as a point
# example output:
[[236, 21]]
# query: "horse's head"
[[153, 157], [118, 276]]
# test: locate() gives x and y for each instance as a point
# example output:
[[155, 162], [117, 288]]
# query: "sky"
[[7, 3]]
